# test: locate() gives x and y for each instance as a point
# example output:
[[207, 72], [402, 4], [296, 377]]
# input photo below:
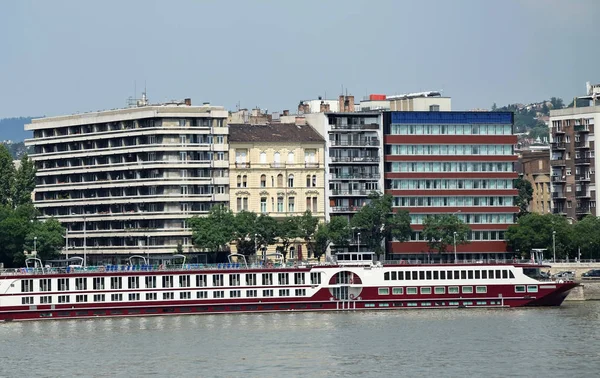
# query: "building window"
[[290, 158], [263, 181], [314, 180], [280, 204], [279, 180], [263, 157], [291, 204], [239, 181], [263, 204], [308, 181], [290, 181], [315, 207], [244, 181]]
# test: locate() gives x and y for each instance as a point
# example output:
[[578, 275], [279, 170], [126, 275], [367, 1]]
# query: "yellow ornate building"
[[276, 169]]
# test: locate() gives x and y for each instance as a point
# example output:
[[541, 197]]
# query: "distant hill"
[[13, 129]]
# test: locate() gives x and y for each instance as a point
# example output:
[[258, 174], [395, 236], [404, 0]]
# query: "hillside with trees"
[[14, 128]]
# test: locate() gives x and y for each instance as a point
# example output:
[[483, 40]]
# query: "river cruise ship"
[[353, 281]]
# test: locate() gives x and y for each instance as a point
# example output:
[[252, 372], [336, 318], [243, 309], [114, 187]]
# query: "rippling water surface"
[[551, 342]]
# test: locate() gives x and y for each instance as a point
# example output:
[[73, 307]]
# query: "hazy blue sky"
[[61, 57]]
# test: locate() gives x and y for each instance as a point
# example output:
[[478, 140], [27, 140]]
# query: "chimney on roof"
[[188, 101], [346, 103], [286, 112], [323, 107]]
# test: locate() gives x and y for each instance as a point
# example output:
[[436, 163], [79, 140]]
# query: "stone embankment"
[[589, 289]]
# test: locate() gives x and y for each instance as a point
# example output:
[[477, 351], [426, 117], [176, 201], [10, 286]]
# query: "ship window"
[[63, 299], [442, 275], [491, 274], [45, 285], [498, 274], [167, 281], [477, 274], [116, 282], [284, 292], [26, 286], [315, 278], [101, 297], [397, 290], [394, 276], [453, 290], [134, 296], [169, 295], [235, 293], [150, 282], [425, 290], [470, 274], [436, 275], [484, 274], [300, 292], [481, 289], [201, 280], [482, 303], [27, 300], [151, 296], [81, 298], [511, 274], [46, 299], [407, 276], [80, 283], [467, 289], [299, 279], [401, 275], [440, 290], [251, 279], [384, 291], [184, 281], [116, 297], [411, 304], [456, 274], [469, 303], [411, 290], [133, 282], [463, 274], [532, 288], [63, 284], [421, 275], [251, 293], [414, 275], [453, 303], [283, 278], [267, 293], [428, 273], [267, 278], [425, 304], [234, 280], [218, 280], [386, 276], [202, 294], [219, 294], [449, 274], [504, 274]]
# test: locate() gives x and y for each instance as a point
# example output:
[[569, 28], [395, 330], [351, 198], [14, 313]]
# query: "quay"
[[589, 289]]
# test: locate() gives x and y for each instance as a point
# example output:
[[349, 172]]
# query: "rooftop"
[[274, 132]]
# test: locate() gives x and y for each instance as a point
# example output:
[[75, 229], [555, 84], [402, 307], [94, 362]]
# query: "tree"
[[24, 182], [525, 195], [214, 232], [336, 232], [49, 239], [586, 237], [535, 231], [266, 230], [494, 107], [440, 231], [557, 103], [287, 231], [307, 227], [245, 229], [377, 222], [7, 176]]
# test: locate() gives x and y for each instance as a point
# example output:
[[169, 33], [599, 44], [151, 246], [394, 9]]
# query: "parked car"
[[592, 273], [566, 275]]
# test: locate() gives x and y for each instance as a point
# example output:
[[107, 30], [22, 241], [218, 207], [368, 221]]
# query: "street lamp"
[[35, 246], [554, 245], [358, 242], [455, 257]]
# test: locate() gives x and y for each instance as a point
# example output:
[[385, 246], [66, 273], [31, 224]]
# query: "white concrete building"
[[125, 181], [431, 101]]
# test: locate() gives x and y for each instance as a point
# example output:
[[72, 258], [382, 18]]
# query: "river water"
[[545, 342]]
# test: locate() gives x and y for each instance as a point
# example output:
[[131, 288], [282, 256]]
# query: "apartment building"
[[535, 168], [459, 163], [277, 169], [125, 181], [573, 161]]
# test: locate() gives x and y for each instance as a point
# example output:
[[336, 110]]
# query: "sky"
[[62, 57]]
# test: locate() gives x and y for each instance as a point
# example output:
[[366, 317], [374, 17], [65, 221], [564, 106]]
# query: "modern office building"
[[278, 170], [124, 181], [459, 163]]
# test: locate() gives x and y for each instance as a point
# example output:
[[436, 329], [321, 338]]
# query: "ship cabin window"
[[532, 288], [185, 281], [150, 282], [300, 292], [397, 290], [470, 274], [425, 290], [134, 296], [251, 293], [411, 290], [46, 300], [251, 279], [133, 282], [168, 295], [421, 275], [467, 289], [463, 274], [384, 291], [452, 289], [491, 274], [45, 284], [284, 292], [63, 284], [400, 276], [116, 297], [477, 274], [442, 275], [408, 276], [64, 299], [511, 274], [81, 283], [234, 280], [484, 274], [386, 276], [414, 276], [116, 282], [481, 289], [394, 276], [27, 300], [267, 279], [98, 283], [449, 273], [505, 274], [151, 296], [26, 286], [519, 289], [101, 297], [167, 282], [498, 274], [283, 278], [440, 290], [267, 293], [235, 294], [202, 294], [218, 281], [428, 275], [315, 278], [456, 274], [81, 298], [436, 275], [201, 280], [299, 279]]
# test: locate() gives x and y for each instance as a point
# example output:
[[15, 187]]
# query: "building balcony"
[[558, 163], [350, 192], [355, 143], [370, 126], [559, 195], [354, 159], [582, 144], [581, 129], [355, 176], [242, 164], [581, 161], [582, 178], [558, 145], [582, 210], [558, 130], [582, 194], [559, 178], [559, 210], [311, 165], [345, 209], [277, 165]]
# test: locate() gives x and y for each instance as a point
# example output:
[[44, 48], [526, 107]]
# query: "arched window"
[[263, 181], [277, 159], [279, 180], [314, 180], [239, 181], [307, 181], [290, 158], [263, 157], [290, 181], [245, 181]]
